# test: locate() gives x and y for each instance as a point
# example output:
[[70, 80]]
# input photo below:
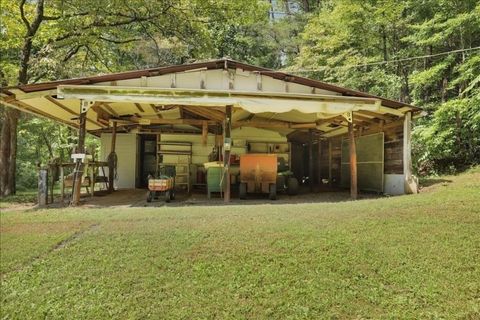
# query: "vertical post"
[[410, 184], [226, 158], [43, 187], [78, 173], [204, 133], [330, 182], [92, 179], [52, 170], [319, 164], [353, 160], [111, 168], [62, 183], [407, 159], [310, 159]]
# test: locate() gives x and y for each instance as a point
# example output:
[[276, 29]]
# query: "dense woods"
[[426, 53]]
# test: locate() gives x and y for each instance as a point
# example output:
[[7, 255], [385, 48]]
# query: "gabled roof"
[[213, 64], [190, 95]]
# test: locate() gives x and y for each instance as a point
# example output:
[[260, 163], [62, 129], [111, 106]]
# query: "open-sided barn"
[[188, 115]]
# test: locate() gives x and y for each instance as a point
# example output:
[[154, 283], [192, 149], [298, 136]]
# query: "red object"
[[233, 158], [258, 171]]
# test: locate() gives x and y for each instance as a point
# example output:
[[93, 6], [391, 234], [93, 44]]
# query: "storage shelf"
[[184, 150], [174, 152]]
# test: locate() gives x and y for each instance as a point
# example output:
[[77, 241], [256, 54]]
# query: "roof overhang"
[[194, 94], [325, 106]]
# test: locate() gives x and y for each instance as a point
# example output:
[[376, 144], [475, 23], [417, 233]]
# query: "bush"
[[449, 140]]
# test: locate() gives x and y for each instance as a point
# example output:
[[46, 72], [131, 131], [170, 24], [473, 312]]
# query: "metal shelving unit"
[[183, 151]]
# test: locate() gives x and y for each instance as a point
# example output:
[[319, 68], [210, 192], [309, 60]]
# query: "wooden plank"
[[61, 106], [139, 107], [262, 124], [274, 124], [206, 113], [312, 125], [109, 109], [152, 106], [147, 121], [376, 115], [353, 161], [66, 109], [366, 119]]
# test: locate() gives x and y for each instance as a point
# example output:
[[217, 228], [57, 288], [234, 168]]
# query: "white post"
[[411, 185]]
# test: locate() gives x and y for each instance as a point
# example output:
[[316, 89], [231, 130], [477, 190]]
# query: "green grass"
[[401, 257], [22, 197]]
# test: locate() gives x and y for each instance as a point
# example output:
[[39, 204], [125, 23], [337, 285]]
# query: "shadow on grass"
[[20, 198], [428, 182]]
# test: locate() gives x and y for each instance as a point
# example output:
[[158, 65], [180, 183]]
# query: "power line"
[[322, 68]]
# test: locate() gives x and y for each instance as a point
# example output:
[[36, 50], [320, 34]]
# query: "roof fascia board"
[[103, 93]]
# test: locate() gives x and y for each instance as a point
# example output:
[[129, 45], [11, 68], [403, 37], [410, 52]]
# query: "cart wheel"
[[273, 191], [243, 191], [172, 194], [149, 196], [167, 196], [292, 186]]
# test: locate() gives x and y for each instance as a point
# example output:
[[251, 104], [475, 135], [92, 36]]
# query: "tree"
[[367, 44], [46, 40]]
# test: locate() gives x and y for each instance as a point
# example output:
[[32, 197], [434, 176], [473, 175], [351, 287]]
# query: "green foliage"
[[344, 35], [451, 139], [39, 142]]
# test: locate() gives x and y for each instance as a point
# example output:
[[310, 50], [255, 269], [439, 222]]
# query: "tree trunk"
[[8, 151], [8, 143]]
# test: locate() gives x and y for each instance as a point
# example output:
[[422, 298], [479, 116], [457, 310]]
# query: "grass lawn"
[[401, 257]]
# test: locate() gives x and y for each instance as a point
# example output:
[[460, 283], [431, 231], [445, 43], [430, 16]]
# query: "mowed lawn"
[[395, 258]]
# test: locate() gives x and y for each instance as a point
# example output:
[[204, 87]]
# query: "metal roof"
[[213, 64]]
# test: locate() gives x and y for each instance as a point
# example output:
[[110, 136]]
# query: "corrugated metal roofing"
[[214, 64]]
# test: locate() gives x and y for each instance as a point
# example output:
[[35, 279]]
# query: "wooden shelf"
[[184, 151]]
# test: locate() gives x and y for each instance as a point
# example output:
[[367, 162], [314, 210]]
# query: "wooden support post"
[[411, 185], [78, 173], [381, 124], [226, 158], [407, 146], [319, 164], [92, 181], [204, 133], [43, 187], [62, 183], [111, 168], [353, 161], [330, 182], [310, 159]]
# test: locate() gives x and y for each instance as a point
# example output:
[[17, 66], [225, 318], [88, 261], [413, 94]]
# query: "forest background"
[[423, 52]]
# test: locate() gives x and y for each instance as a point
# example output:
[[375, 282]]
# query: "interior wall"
[[126, 150], [394, 150], [128, 153]]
